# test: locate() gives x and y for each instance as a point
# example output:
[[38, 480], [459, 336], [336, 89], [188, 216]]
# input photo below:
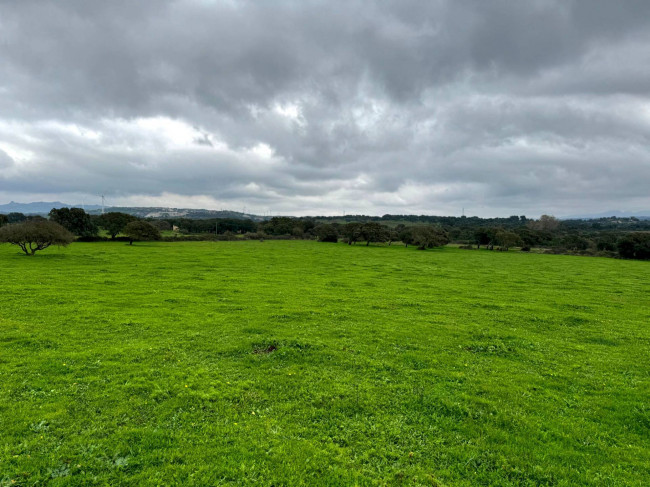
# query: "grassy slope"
[[137, 365]]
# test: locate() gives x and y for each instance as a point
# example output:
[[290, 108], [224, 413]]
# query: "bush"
[[327, 233], [635, 245]]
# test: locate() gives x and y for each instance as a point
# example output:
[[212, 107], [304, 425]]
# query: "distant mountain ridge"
[[641, 215], [40, 207], [44, 207], [163, 212]]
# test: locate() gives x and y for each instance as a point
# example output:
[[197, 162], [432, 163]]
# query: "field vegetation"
[[627, 238], [307, 363]]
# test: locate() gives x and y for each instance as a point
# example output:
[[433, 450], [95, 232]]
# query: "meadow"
[[306, 363]]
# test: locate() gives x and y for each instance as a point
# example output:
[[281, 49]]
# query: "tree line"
[[621, 237], [34, 233]]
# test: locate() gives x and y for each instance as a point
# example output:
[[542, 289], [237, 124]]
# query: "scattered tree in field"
[[391, 236], [427, 236], [141, 231], [326, 233], [114, 222], [529, 237], [351, 232], [34, 235], [491, 236], [75, 220], [507, 239], [3, 220], [635, 245], [406, 236], [482, 236], [372, 232]]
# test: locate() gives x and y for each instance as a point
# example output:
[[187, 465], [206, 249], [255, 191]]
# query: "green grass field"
[[304, 363]]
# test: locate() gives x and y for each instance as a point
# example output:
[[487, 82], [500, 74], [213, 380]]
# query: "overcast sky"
[[306, 107]]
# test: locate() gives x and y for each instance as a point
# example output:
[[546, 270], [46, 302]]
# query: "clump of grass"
[[265, 349]]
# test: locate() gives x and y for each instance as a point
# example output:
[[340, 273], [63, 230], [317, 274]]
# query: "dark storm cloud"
[[499, 107]]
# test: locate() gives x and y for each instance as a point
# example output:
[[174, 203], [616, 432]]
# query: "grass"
[[304, 363]]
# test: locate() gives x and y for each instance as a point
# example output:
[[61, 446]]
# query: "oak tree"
[[34, 235]]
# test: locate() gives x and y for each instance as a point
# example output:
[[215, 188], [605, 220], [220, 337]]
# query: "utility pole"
[[102, 204]]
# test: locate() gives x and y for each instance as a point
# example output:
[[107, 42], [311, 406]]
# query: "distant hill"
[[641, 215], [40, 207], [44, 207], [162, 212]]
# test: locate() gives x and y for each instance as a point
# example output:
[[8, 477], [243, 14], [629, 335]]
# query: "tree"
[[352, 232], [279, 225], [576, 242], [406, 236], [3, 220], [427, 236], [546, 223], [507, 239], [529, 237], [140, 230], [481, 237], [308, 226], [114, 222], [327, 233], [392, 236], [164, 225], [372, 232], [34, 235], [486, 236], [635, 245], [606, 241], [15, 217], [75, 220]]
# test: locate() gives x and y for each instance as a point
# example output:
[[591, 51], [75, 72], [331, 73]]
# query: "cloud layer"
[[327, 107]]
